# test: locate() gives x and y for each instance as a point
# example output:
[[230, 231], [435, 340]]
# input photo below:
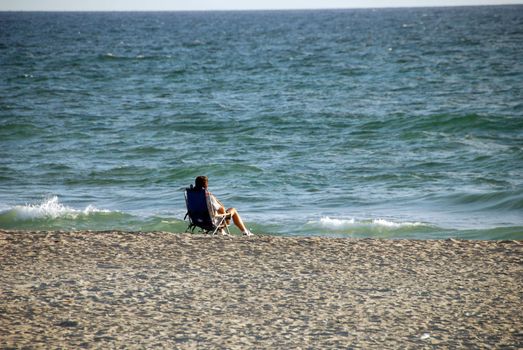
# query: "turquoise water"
[[350, 123]]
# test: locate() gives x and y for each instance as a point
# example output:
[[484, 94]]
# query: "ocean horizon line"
[[399, 7]]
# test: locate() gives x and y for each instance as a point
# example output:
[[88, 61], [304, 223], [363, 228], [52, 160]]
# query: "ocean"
[[380, 123]]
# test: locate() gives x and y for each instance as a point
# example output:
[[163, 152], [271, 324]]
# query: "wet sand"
[[160, 290]]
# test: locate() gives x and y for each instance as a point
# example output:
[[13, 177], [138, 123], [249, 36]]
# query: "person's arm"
[[216, 204]]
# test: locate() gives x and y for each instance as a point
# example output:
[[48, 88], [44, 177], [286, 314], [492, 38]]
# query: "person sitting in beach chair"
[[207, 212]]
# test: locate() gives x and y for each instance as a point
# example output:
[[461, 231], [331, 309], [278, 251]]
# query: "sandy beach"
[[161, 290]]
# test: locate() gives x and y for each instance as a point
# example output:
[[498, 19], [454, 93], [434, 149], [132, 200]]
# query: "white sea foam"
[[50, 208], [386, 223], [337, 224]]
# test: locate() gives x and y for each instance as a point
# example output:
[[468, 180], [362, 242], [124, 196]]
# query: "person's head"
[[201, 182]]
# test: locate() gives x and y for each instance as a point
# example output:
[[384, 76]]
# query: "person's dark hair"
[[201, 182]]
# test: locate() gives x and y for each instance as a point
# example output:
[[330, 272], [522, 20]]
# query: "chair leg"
[[218, 226]]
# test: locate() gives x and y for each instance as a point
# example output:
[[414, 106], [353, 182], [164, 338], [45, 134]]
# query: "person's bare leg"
[[237, 219]]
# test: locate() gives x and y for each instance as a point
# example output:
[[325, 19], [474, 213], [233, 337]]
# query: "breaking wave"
[[333, 223], [49, 208], [396, 229], [50, 214]]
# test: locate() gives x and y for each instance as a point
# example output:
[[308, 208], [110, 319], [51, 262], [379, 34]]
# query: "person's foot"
[[247, 232]]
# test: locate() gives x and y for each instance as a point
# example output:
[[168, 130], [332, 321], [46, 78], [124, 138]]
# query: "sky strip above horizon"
[[202, 5]]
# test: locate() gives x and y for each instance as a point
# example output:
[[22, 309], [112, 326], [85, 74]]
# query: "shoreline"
[[128, 289]]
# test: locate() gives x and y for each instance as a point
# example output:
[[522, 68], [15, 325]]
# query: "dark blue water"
[[353, 123]]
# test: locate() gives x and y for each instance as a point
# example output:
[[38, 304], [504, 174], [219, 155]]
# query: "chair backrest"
[[197, 201]]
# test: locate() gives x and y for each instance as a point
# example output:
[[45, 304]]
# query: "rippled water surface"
[[352, 123]]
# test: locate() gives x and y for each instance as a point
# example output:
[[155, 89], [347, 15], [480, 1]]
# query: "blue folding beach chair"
[[201, 213]]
